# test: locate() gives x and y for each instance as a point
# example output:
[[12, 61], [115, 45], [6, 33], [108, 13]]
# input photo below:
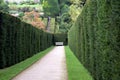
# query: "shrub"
[[95, 38], [19, 40]]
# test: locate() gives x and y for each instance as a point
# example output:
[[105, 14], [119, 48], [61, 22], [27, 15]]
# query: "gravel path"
[[50, 67]]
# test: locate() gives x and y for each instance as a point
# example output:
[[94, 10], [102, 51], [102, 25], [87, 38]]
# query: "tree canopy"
[[3, 7], [51, 7]]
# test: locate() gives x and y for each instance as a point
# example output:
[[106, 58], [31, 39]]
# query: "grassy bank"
[[8, 73], [76, 71]]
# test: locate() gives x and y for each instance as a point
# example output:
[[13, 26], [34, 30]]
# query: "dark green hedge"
[[95, 38], [19, 40], [60, 38]]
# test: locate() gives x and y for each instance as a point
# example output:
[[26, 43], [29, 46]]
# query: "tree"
[[51, 7], [3, 6], [65, 23], [33, 18]]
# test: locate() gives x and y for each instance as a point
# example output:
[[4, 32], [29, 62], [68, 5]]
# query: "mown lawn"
[[9, 73], [76, 70]]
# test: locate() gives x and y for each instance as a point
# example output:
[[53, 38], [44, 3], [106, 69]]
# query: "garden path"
[[51, 67]]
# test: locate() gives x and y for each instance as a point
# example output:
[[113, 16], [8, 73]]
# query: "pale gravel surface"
[[51, 67]]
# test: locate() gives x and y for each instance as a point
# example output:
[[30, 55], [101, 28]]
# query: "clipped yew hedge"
[[19, 40], [95, 38], [58, 37]]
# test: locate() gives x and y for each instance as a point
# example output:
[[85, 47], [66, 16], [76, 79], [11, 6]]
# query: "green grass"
[[9, 73], [76, 70]]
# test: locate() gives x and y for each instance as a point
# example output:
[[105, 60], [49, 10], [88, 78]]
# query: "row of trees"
[[69, 11], [95, 38], [19, 40]]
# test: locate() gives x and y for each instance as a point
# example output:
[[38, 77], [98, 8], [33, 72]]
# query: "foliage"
[[21, 15], [1, 1], [19, 40], [69, 11], [3, 7], [74, 12], [76, 71], [52, 25], [10, 72], [33, 18], [64, 9], [65, 23], [64, 19], [95, 38], [51, 7]]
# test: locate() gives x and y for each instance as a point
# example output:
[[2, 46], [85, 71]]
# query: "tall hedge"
[[19, 40], [95, 38], [58, 37]]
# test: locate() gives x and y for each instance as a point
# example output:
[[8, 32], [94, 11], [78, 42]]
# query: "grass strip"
[[10, 72], [76, 71]]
